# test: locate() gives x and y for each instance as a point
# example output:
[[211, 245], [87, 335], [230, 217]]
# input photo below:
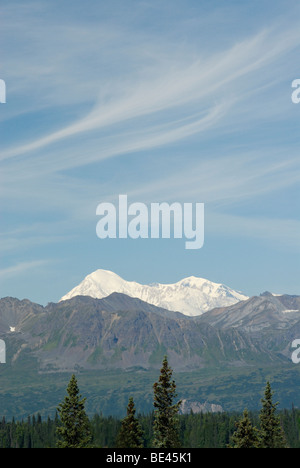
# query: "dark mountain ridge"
[[123, 332]]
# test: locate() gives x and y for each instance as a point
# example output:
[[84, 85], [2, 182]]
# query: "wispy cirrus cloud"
[[153, 100], [281, 233], [181, 106], [21, 268]]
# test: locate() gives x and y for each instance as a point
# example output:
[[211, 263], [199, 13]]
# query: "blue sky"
[[186, 101]]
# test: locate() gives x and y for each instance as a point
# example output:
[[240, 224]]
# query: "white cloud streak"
[[163, 93], [21, 268], [280, 232], [142, 96]]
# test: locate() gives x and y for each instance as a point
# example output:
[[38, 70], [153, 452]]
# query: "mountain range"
[[191, 296], [221, 357], [123, 332]]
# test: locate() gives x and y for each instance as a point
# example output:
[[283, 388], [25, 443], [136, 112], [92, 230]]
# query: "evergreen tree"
[[130, 434], [271, 433], [246, 435], [74, 428], [166, 425]]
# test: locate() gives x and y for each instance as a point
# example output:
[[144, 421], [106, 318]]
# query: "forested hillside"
[[196, 430]]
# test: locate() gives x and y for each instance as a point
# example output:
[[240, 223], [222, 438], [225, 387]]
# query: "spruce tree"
[[271, 433], [166, 424], [246, 435], [130, 434], [74, 427]]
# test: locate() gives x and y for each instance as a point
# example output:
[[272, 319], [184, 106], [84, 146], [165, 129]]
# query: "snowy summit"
[[191, 296]]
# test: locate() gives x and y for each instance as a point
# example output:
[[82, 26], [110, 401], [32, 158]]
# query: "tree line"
[[164, 427]]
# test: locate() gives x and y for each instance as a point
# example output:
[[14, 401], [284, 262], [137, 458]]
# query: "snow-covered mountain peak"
[[191, 296]]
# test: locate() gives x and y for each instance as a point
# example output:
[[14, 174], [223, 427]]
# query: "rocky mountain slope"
[[257, 314], [123, 332]]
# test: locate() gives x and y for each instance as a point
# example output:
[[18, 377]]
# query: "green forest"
[[196, 430], [164, 427]]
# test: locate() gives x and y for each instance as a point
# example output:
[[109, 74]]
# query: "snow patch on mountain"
[[191, 296]]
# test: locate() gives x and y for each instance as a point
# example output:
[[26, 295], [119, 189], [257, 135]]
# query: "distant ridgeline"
[[221, 356]]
